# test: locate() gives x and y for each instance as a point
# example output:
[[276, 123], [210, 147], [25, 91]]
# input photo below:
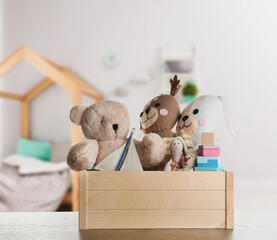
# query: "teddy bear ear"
[[76, 114]]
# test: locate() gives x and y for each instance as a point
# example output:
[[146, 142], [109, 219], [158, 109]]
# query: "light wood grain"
[[83, 200], [10, 62], [38, 89], [86, 88], [157, 180], [207, 139], [11, 96], [156, 200], [24, 119], [49, 70], [229, 200], [113, 219]]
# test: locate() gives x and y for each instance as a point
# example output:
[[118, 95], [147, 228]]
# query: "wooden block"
[[206, 147], [202, 159], [208, 152], [155, 180], [229, 200], [150, 200], [207, 139], [119, 219], [208, 169], [210, 163]]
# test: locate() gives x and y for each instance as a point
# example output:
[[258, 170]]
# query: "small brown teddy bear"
[[161, 113], [106, 125]]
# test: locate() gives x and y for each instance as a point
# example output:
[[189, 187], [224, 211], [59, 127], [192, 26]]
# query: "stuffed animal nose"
[[185, 118], [115, 127], [147, 110], [186, 159]]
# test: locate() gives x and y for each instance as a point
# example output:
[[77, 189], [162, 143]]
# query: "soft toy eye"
[[195, 111], [178, 118], [141, 114], [157, 104]]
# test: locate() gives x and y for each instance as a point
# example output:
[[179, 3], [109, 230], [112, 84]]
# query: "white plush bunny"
[[204, 114]]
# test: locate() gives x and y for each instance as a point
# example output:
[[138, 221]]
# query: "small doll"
[[178, 150], [189, 162]]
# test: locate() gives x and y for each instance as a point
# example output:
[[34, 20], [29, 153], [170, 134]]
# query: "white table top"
[[64, 225]]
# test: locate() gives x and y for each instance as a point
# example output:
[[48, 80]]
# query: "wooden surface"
[[207, 139], [154, 200], [24, 119], [156, 180], [142, 200], [83, 200], [113, 219], [11, 61], [64, 226], [11, 96], [229, 200]]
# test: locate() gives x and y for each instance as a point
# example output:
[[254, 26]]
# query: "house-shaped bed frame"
[[54, 74]]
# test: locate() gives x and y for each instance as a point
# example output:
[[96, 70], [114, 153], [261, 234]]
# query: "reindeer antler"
[[175, 85]]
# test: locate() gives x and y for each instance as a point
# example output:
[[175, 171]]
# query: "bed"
[[30, 184]]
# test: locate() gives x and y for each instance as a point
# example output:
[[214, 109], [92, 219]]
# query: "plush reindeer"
[[161, 113]]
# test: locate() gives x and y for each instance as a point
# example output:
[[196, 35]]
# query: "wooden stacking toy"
[[208, 154]]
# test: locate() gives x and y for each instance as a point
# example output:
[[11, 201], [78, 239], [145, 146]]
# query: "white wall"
[[238, 53]]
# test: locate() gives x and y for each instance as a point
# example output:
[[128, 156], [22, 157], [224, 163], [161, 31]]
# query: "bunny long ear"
[[185, 148], [228, 116]]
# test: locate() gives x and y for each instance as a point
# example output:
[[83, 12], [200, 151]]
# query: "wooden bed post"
[[54, 74], [24, 131], [76, 136]]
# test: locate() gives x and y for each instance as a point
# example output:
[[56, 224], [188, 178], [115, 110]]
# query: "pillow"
[[34, 149], [59, 151]]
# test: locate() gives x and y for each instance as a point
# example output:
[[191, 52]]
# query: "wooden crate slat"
[[155, 200], [229, 200], [158, 180], [118, 219]]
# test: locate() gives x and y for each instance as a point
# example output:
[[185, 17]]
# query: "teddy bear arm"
[[83, 155], [151, 150]]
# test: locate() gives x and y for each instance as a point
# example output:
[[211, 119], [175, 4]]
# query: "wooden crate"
[[133, 200]]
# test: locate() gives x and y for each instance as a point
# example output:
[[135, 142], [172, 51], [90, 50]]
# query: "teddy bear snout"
[[115, 127], [185, 118], [147, 110]]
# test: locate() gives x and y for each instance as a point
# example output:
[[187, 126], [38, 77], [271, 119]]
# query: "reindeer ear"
[[175, 85], [76, 114]]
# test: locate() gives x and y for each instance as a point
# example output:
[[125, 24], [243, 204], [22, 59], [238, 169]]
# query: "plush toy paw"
[[153, 150], [83, 155]]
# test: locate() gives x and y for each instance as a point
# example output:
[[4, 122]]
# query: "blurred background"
[[128, 50]]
